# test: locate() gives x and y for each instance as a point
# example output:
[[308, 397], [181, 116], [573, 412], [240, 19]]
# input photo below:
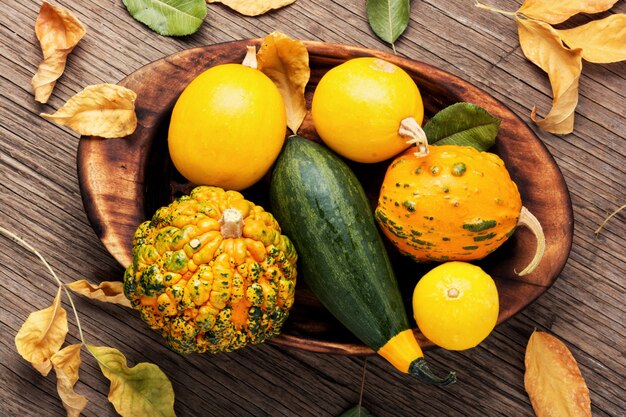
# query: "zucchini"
[[322, 207]]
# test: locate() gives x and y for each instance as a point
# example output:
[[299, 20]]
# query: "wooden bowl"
[[123, 182]]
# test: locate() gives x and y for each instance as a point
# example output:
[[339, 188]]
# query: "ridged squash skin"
[[204, 290], [321, 205], [454, 204]]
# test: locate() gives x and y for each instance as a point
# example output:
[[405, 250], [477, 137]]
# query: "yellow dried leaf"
[[557, 11], [286, 62], [542, 45], [140, 391], [42, 335], [104, 110], [553, 381], [106, 291], [602, 41], [58, 31], [66, 363], [253, 7]]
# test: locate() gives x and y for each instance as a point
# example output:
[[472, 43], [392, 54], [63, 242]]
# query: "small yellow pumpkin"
[[455, 203], [227, 127]]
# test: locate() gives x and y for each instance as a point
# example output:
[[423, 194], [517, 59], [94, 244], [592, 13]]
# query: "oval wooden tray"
[[123, 182]]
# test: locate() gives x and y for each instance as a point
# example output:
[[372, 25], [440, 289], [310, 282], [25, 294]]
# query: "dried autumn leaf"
[[542, 45], [142, 390], [58, 31], [66, 363], [557, 11], [602, 41], [553, 381], [106, 291], [42, 335], [286, 62], [104, 110], [253, 7]]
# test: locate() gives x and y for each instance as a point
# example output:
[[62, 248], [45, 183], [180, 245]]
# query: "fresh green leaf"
[[357, 411], [388, 18], [463, 124], [169, 17], [140, 391]]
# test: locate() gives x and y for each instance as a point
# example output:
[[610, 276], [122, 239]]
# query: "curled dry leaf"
[[140, 391], [286, 62], [557, 11], [58, 31], [542, 45], [66, 363], [553, 381], [602, 41], [42, 335], [253, 7], [106, 291], [104, 110]]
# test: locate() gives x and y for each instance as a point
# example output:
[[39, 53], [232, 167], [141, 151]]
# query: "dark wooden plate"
[[123, 182]]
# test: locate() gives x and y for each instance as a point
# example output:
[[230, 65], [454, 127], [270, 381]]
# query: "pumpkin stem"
[[420, 370], [232, 223], [250, 58], [527, 219], [409, 128]]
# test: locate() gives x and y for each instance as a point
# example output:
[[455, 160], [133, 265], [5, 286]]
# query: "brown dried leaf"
[[602, 41], [58, 31], [106, 291], [42, 335], [66, 363], [253, 7], [104, 110], [542, 45], [557, 11], [286, 62], [553, 381]]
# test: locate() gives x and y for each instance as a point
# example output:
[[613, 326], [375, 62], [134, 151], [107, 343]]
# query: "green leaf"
[[388, 18], [140, 391], [169, 17], [357, 411], [463, 124]]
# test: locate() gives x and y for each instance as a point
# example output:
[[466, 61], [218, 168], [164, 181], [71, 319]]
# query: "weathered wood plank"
[[40, 201]]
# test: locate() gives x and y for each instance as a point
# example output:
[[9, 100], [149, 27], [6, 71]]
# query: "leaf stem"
[[362, 384], [493, 9], [597, 231], [28, 247]]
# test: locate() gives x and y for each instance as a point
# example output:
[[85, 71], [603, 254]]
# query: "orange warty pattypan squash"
[[227, 127], [212, 272], [456, 203]]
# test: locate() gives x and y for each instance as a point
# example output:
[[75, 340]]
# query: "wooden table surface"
[[40, 201]]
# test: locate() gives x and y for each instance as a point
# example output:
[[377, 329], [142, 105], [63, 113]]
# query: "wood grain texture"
[[40, 200], [123, 182]]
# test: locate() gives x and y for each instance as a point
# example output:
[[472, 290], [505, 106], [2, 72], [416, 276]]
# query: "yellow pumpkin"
[[227, 127], [365, 109]]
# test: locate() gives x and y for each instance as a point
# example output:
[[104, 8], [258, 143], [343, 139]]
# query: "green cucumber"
[[322, 207]]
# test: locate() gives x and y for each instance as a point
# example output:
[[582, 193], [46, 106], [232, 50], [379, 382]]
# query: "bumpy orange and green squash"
[[212, 272], [455, 203]]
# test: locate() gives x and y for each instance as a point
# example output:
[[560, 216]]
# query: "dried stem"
[[493, 9], [28, 247], [597, 231], [527, 219]]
